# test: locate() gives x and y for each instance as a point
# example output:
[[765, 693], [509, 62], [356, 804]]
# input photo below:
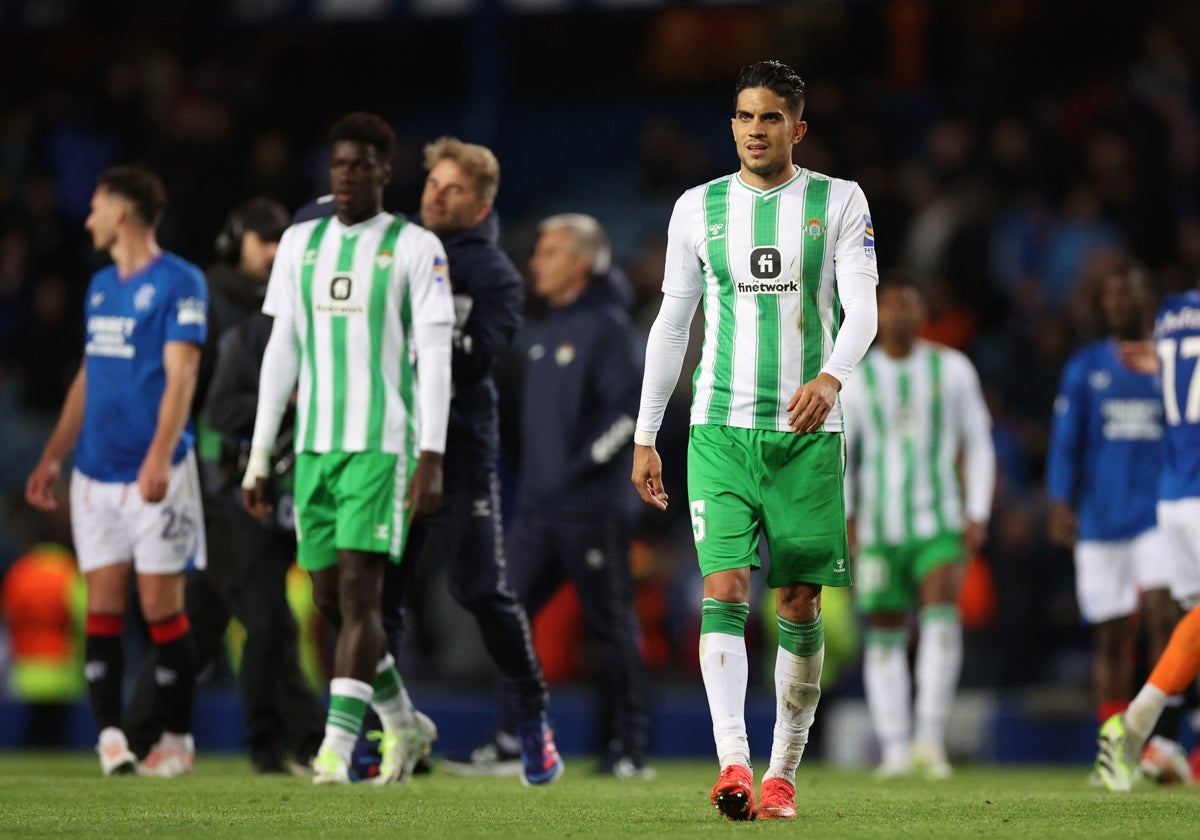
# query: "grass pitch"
[[64, 795]]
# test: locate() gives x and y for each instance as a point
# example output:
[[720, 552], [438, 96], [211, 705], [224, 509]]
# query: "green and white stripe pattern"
[[907, 422], [770, 301], [353, 314]]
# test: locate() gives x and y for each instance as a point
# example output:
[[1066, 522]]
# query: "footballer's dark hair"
[[362, 127], [140, 187], [777, 77]]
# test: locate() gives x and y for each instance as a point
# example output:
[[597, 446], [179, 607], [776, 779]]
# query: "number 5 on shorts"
[[698, 520]]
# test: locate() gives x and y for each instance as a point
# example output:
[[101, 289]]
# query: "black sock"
[[104, 668], [175, 674]]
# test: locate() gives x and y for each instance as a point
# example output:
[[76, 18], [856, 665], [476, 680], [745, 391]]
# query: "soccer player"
[[912, 410], [772, 250], [135, 496], [363, 318], [1174, 356], [1102, 475]]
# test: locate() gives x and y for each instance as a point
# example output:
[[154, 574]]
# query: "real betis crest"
[[814, 228], [383, 260]]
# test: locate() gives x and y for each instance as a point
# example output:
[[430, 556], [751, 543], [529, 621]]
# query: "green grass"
[[64, 795]]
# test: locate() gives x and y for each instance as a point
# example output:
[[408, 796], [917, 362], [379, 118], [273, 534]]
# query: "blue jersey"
[[1177, 336], [128, 323], [1106, 445]]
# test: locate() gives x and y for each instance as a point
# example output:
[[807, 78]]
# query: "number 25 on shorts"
[[698, 520]]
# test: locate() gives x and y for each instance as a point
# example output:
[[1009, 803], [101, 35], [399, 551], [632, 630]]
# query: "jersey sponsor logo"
[[781, 288], [868, 236], [340, 287], [190, 311], [382, 531], [108, 334], [564, 354], [1132, 419], [814, 228], [143, 297], [839, 566], [1099, 379], [714, 230], [766, 263]]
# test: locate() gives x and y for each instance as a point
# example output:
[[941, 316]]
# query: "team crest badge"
[[143, 297], [383, 260], [565, 354], [814, 228]]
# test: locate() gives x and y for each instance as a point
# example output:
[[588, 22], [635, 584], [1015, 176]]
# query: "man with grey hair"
[[575, 513]]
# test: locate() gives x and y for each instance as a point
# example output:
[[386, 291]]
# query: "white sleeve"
[[280, 364], [283, 278], [975, 424], [683, 284], [857, 276], [665, 351], [433, 329]]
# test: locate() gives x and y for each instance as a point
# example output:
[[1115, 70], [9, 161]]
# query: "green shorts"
[[349, 500], [889, 576], [788, 486]]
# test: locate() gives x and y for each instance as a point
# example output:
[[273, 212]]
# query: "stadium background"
[[1007, 148]]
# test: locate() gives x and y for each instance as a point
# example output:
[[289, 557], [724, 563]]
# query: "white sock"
[[725, 670], [1143, 712], [391, 701], [797, 690], [939, 662], [339, 739], [889, 692]]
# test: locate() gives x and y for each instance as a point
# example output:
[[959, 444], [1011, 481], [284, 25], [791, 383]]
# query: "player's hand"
[[424, 494], [254, 483], [1138, 356], [810, 405], [154, 477], [974, 538], [647, 476], [1062, 524], [39, 487]]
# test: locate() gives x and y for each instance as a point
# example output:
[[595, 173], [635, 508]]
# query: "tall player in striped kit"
[[912, 409], [363, 318], [773, 251]]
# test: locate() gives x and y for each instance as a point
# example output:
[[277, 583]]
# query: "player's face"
[[901, 314], [765, 131], [357, 176], [1125, 303], [450, 201], [106, 215], [559, 271], [258, 255]]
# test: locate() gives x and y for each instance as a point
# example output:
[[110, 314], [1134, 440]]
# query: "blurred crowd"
[[1006, 161]]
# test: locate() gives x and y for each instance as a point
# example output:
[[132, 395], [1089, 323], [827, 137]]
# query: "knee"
[[359, 595], [327, 603]]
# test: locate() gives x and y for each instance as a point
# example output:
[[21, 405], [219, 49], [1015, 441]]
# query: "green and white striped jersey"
[[767, 264], [361, 305], [908, 421]]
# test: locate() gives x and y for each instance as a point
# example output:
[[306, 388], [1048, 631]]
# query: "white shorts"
[[1180, 521], [1109, 575], [112, 524]]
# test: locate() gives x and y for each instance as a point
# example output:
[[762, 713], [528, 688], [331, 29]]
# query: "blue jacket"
[[583, 376], [489, 296]]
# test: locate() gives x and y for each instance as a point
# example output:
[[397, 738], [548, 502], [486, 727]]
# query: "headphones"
[[228, 245]]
